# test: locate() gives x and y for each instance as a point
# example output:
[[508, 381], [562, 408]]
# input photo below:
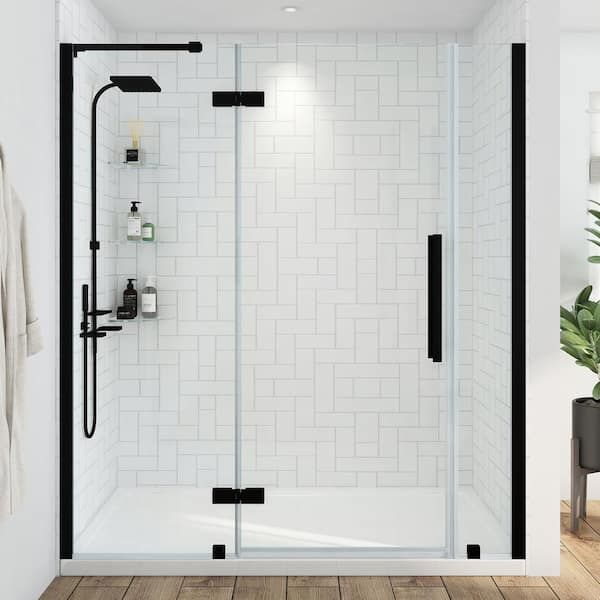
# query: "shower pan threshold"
[[170, 530]]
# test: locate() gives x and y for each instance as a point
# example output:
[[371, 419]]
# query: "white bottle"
[[134, 223], [149, 298]]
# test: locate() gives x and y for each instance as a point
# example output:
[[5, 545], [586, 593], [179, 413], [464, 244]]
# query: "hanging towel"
[[20, 337]]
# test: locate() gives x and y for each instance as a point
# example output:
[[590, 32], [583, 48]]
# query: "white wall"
[[543, 422], [27, 133], [579, 75]]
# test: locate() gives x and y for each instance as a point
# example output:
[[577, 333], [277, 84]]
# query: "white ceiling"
[[580, 15], [266, 15]]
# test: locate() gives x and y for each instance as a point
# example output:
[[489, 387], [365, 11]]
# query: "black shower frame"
[[67, 55]]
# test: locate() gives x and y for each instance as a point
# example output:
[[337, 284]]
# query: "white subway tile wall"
[[503, 24], [95, 460], [176, 372], [341, 185], [343, 177]]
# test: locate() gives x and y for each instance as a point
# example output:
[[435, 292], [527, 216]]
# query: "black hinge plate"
[[237, 496], [473, 551], [238, 98], [219, 551]]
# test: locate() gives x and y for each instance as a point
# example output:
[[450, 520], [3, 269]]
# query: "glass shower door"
[[165, 432], [344, 414], [484, 301]]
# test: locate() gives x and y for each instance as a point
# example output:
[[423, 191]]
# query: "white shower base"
[[178, 522]]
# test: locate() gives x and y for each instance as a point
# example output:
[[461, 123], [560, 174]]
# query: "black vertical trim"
[[66, 300], [434, 297], [519, 193]]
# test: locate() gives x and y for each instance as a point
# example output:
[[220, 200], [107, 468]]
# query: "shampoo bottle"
[[134, 223], [149, 298], [130, 299]]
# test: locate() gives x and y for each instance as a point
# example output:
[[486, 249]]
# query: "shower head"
[[135, 83]]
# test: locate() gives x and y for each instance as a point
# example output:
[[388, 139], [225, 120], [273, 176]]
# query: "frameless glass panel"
[[484, 301], [343, 178], [165, 434]]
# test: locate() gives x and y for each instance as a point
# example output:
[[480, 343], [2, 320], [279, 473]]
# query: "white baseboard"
[[414, 567]]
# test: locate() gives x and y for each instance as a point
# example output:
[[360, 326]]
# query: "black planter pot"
[[586, 429]]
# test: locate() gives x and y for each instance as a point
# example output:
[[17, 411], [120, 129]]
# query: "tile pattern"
[[176, 393], [491, 266], [95, 461], [176, 374], [341, 186], [343, 178]]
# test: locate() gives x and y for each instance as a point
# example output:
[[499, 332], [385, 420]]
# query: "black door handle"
[[434, 297]]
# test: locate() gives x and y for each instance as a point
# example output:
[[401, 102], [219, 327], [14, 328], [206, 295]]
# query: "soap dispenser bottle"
[[148, 232], [134, 223], [130, 299], [149, 298]]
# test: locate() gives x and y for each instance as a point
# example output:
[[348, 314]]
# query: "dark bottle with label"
[[130, 299]]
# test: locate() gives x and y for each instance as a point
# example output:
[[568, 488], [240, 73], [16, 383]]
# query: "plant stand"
[[578, 486]]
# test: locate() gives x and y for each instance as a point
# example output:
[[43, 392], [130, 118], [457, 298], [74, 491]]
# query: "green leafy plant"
[[595, 239], [580, 334], [580, 326]]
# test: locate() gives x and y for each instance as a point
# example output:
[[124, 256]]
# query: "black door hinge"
[[219, 551], [237, 496], [238, 98], [473, 551]]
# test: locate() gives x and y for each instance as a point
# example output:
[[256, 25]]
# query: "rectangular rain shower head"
[[135, 83]]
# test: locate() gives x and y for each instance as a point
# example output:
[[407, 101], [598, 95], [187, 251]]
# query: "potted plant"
[[580, 338]]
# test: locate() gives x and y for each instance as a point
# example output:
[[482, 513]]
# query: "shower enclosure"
[[336, 371]]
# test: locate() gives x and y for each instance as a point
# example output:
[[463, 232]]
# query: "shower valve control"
[[237, 496]]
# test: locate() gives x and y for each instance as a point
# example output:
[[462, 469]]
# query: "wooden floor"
[[579, 580]]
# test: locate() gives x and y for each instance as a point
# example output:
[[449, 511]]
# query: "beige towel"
[[20, 337]]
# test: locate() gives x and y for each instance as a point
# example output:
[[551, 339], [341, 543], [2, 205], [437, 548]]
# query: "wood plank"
[[528, 593], [154, 588], [420, 593], [313, 593], [585, 545], [206, 593], [466, 588], [298, 581], [98, 593], [366, 588], [574, 583], [96, 581], [209, 581], [416, 582], [60, 588], [260, 588], [593, 515], [519, 581]]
